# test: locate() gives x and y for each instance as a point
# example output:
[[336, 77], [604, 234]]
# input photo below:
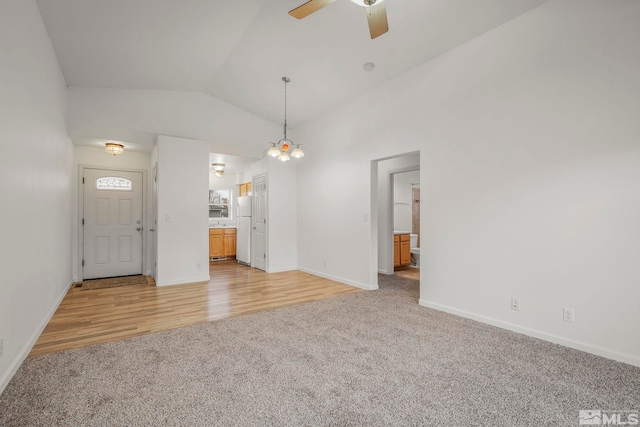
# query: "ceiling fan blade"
[[377, 17], [309, 7]]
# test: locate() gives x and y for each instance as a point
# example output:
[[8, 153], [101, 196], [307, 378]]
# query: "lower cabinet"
[[401, 250], [229, 242], [222, 242]]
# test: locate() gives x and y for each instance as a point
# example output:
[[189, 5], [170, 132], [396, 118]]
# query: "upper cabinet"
[[245, 189]]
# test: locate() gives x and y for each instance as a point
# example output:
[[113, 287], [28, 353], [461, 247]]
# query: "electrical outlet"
[[324, 263], [568, 315], [515, 304], [168, 218], [198, 266], [1, 350]]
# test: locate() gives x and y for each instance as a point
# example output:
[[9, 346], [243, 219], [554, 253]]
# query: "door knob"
[[152, 229], [139, 228]]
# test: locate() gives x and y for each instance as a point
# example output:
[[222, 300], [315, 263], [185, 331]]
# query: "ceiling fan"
[[376, 13]]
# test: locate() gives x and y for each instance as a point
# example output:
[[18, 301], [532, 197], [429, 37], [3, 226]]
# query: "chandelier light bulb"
[[297, 152], [273, 151], [284, 157]]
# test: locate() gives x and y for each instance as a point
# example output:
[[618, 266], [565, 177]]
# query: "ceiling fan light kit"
[[376, 13], [285, 143]]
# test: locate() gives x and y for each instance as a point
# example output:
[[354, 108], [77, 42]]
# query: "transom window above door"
[[113, 183]]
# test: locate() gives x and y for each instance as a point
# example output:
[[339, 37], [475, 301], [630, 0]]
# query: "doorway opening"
[[395, 217], [405, 199]]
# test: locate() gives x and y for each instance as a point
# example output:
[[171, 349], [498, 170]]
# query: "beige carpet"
[[113, 282], [366, 359]]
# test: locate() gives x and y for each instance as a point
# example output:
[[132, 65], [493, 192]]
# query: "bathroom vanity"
[[401, 250]]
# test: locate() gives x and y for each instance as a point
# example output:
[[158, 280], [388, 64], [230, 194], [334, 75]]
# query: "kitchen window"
[[220, 203]]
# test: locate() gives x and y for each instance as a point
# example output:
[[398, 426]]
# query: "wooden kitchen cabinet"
[[245, 189], [222, 242], [216, 242], [401, 250], [229, 242]]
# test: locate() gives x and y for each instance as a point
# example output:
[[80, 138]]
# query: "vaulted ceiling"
[[238, 51]]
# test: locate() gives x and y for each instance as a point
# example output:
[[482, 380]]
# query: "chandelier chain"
[[285, 107]]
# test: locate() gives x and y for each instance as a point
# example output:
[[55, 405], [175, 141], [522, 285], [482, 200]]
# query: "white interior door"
[[259, 223], [112, 223]]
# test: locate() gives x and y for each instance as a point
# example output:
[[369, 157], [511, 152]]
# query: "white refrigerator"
[[243, 243]]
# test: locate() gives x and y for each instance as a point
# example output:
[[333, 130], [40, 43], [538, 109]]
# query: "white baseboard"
[[281, 270], [567, 342], [339, 279], [26, 349], [198, 279], [385, 272]]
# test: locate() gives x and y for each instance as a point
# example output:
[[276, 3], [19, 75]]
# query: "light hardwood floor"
[[87, 317]]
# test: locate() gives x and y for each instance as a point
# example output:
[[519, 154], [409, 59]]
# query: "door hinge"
[[83, 263], [82, 221], [83, 179]]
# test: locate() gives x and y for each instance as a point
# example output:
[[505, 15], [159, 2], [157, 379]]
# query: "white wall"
[[113, 113], [282, 222], [98, 157], [183, 206], [402, 199], [282, 215], [530, 162], [35, 182]]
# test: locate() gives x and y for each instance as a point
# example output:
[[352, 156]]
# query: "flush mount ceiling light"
[[113, 148], [285, 143], [219, 168]]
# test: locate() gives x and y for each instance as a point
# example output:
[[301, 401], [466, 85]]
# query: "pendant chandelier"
[[285, 143]]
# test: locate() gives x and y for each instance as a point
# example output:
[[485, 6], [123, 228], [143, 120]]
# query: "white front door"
[[259, 223], [112, 223]]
